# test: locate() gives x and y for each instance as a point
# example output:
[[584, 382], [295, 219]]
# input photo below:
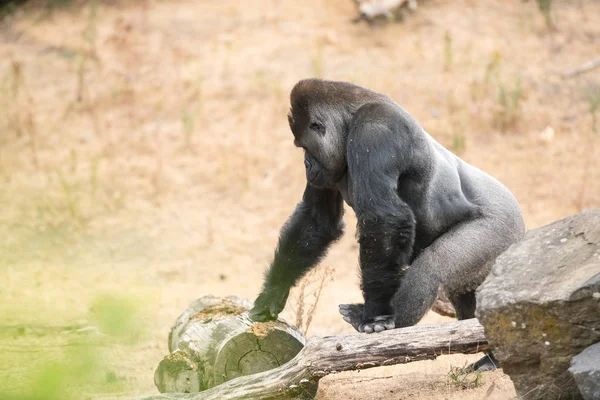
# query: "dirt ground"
[[144, 151]]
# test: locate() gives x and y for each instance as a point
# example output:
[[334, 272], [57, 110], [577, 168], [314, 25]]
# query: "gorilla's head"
[[320, 116]]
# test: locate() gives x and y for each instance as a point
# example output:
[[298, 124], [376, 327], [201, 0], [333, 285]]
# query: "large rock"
[[585, 368], [540, 305]]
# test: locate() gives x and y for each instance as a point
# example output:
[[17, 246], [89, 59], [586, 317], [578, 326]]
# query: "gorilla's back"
[[456, 192]]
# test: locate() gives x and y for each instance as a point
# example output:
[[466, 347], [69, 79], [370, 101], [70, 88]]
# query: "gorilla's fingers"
[[367, 328], [257, 316], [273, 311], [378, 327], [390, 324]]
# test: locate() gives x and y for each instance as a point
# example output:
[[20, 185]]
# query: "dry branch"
[[585, 67], [325, 355], [370, 10]]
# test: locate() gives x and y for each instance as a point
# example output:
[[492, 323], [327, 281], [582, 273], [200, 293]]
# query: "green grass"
[[593, 107], [448, 54], [509, 110], [52, 361]]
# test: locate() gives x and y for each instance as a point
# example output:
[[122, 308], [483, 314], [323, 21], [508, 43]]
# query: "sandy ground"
[[144, 150]]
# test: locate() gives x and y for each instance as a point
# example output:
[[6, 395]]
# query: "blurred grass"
[[52, 362], [593, 107], [8, 7]]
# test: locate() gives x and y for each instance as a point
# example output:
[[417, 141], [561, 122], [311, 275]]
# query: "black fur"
[[425, 217], [316, 222]]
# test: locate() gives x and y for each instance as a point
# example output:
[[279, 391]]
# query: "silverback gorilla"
[[425, 217]]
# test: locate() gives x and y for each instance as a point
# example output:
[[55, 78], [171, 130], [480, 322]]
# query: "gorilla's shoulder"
[[389, 116], [377, 110]]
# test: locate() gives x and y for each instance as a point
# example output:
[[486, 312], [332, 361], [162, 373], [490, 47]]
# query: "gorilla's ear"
[[291, 120]]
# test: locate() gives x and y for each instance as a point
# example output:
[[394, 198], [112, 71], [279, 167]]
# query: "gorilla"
[[426, 218]]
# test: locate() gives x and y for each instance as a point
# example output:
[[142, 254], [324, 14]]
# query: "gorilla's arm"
[[304, 239], [379, 150]]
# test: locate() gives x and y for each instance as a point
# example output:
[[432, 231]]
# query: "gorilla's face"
[[323, 142]]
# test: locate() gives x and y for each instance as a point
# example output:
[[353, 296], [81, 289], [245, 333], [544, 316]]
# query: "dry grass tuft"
[[307, 294], [463, 379]]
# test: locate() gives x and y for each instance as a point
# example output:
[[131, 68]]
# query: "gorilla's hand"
[[269, 304], [353, 314]]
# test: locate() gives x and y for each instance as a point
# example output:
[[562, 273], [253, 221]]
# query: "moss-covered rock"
[[540, 305]]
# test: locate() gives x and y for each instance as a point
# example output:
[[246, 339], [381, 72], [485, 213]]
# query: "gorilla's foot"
[[486, 363], [379, 323], [353, 314]]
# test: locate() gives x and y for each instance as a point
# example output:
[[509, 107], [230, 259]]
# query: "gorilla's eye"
[[317, 127]]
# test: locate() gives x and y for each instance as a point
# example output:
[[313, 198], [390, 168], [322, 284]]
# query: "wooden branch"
[[326, 355], [585, 67]]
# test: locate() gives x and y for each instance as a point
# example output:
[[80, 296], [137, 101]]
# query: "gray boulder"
[[585, 368], [540, 305]]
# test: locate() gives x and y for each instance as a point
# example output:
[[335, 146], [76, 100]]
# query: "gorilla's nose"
[[307, 163]]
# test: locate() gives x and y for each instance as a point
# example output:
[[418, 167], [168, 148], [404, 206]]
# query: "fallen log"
[[214, 341], [326, 355]]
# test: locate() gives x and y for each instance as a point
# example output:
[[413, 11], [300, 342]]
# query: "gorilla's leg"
[[418, 290], [464, 303], [477, 259], [459, 260]]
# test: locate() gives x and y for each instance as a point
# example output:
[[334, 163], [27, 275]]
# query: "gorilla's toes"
[[379, 324], [353, 311], [352, 314]]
